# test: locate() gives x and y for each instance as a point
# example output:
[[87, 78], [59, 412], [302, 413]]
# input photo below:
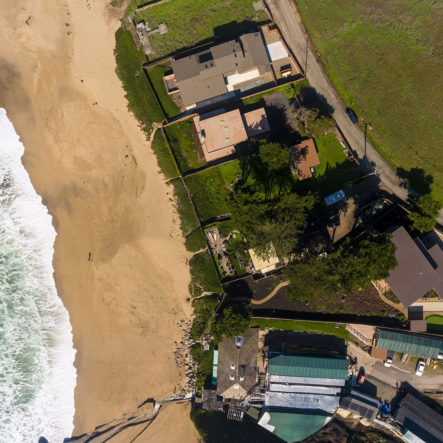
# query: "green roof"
[[405, 342], [308, 366], [294, 426]]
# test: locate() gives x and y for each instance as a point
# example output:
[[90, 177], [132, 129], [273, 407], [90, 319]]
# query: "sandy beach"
[[120, 262]]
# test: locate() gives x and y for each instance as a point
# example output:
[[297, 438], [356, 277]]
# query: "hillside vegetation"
[[385, 59]]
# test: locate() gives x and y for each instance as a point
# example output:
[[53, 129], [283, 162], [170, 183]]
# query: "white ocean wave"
[[37, 375]]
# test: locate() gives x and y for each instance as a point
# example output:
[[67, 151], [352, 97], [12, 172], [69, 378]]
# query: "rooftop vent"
[[242, 378], [238, 341], [231, 377], [232, 366]]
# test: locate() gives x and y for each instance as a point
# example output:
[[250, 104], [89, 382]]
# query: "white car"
[[420, 367], [388, 362]]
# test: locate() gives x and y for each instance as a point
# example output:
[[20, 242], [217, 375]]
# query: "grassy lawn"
[[188, 220], [164, 156], [210, 187], [156, 75], [435, 324], [194, 241], [193, 21], [141, 99], [297, 325], [385, 60], [182, 142], [290, 91], [330, 152], [204, 275]]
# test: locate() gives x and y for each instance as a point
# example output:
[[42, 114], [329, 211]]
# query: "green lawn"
[[330, 152], [181, 140], [156, 75], [297, 325], [385, 60], [204, 275], [165, 159], [194, 241], [209, 189], [435, 324], [290, 90], [188, 220], [193, 21], [141, 99]]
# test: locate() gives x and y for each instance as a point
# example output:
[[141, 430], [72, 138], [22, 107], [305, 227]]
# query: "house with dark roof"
[[223, 70], [237, 370], [418, 271], [419, 422], [421, 345]]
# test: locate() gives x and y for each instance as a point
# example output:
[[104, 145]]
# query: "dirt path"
[[271, 294]]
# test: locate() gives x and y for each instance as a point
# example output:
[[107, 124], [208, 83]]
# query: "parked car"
[[352, 115], [334, 198], [361, 377], [420, 367], [389, 358]]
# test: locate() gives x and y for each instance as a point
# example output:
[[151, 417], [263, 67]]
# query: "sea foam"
[[37, 374]]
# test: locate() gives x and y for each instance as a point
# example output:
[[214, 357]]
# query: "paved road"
[[289, 21]]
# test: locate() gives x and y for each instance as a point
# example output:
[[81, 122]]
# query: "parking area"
[[384, 382]]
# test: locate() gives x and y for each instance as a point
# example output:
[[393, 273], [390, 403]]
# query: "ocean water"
[[37, 375]]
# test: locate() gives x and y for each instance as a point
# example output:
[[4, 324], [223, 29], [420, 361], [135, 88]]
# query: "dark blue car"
[[352, 115]]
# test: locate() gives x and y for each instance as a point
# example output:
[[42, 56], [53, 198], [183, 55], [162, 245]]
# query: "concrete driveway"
[[289, 21]]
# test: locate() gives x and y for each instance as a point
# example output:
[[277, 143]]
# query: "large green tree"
[[353, 265], [234, 321], [426, 213], [278, 221], [310, 122]]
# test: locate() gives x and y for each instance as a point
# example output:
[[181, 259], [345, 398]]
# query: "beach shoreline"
[[120, 264]]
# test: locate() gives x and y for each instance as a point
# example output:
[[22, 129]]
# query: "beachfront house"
[[302, 391], [237, 368], [219, 131]]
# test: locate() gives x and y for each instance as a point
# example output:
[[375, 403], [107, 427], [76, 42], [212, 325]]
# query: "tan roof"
[[218, 134], [380, 354], [305, 156], [220, 131], [264, 265], [256, 122]]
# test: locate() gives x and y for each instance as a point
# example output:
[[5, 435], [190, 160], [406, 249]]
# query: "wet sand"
[[120, 263]]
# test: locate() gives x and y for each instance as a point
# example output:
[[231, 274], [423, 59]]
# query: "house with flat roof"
[[302, 389], [419, 422], [219, 131], [418, 271], [264, 265], [222, 71], [304, 158], [237, 370], [421, 345]]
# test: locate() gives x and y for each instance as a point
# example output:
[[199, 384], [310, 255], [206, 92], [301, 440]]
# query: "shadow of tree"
[[417, 178]]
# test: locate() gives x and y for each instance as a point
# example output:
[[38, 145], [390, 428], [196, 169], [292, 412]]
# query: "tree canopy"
[[310, 122], [425, 216], [278, 221], [234, 321], [353, 265]]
